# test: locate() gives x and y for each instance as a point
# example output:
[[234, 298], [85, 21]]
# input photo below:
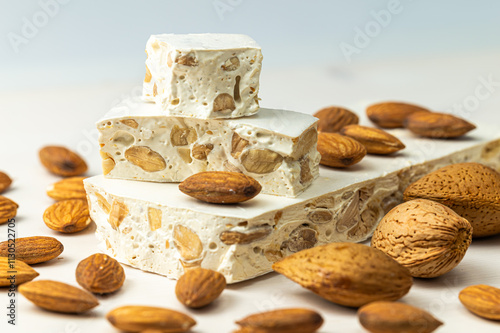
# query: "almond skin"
[[425, 236], [391, 114], [149, 319], [100, 274], [472, 190], [333, 118], [61, 161], [34, 250], [482, 300], [339, 151], [376, 141], [198, 287], [8, 209], [282, 321], [68, 188], [23, 272], [58, 297], [68, 216], [437, 125], [394, 317], [220, 187], [348, 274], [5, 182]]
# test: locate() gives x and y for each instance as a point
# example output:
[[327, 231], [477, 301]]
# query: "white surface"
[[33, 118], [193, 42]]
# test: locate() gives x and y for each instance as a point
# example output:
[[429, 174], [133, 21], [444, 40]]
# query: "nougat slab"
[[276, 147], [157, 228], [203, 75]]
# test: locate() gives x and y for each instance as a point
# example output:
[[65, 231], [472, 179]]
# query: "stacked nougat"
[[199, 112]]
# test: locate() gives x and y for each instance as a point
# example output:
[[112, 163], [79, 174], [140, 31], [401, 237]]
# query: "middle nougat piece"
[[203, 75], [276, 147]]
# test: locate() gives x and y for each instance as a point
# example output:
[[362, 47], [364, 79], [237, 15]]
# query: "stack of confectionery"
[[199, 112]]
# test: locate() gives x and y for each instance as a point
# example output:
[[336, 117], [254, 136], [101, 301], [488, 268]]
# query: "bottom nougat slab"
[[155, 227]]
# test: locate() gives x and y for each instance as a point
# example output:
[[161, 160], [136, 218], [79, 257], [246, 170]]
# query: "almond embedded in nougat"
[[437, 125], [333, 118], [391, 114], [61, 161], [376, 141], [338, 150]]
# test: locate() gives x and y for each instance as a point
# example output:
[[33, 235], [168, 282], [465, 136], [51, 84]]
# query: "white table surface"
[[66, 115]]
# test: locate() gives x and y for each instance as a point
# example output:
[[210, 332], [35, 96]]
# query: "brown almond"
[[220, 187], [61, 161], [100, 274], [395, 317], [293, 320], [339, 151], [58, 297], [482, 300], [19, 270], [198, 287], [437, 125], [67, 188], [235, 237], [348, 274], [333, 118], [147, 318], [5, 182], [34, 250], [8, 209], [391, 114], [67, 216], [376, 141]]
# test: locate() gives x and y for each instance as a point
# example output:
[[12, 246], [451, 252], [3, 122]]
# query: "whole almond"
[[391, 114], [34, 250], [8, 209], [198, 287], [338, 150], [5, 182], [67, 188], [376, 141], [68, 216], [437, 125], [282, 321], [61, 161], [147, 318], [425, 236], [472, 190], [333, 118], [15, 272], [100, 274], [395, 317], [58, 297], [482, 300], [220, 187], [349, 274]]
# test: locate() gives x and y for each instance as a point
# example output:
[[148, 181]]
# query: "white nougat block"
[[203, 75], [276, 147]]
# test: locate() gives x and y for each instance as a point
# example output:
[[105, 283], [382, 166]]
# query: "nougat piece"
[[203, 75], [276, 147]]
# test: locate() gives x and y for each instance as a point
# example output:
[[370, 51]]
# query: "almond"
[[100, 274], [472, 190], [425, 236], [235, 237], [349, 274], [8, 209], [34, 250], [261, 161], [391, 114], [145, 158], [58, 297], [220, 187], [437, 125], [5, 182], [61, 161], [293, 320], [394, 317], [147, 318], [333, 118], [376, 141], [198, 287], [14, 268], [67, 188], [339, 150], [482, 300], [67, 216]]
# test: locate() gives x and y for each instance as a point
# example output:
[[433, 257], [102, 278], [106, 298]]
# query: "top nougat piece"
[[203, 75]]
